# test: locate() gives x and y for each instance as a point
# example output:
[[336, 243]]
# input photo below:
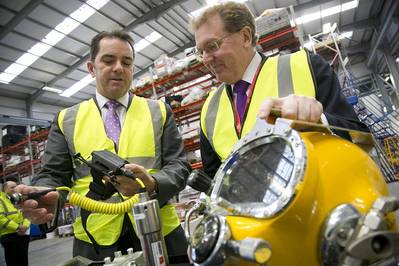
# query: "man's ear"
[[90, 67], [247, 34]]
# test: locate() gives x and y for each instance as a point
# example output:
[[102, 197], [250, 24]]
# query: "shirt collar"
[[101, 100], [252, 67]]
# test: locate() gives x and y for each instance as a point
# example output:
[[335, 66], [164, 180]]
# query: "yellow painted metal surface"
[[337, 172]]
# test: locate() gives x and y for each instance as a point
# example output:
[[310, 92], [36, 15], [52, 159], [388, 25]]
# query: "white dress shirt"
[[121, 110]]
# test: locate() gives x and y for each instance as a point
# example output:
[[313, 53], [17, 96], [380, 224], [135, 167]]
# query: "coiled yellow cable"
[[99, 206]]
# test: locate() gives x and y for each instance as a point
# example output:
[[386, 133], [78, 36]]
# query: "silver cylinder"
[[149, 230]]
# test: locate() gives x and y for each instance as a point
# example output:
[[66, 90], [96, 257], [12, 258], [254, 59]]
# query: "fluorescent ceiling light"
[[52, 38], [78, 86], [26, 59], [6, 78], [349, 5], [143, 43], [97, 4], [327, 12], [47, 88], [67, 25], [39, 49], [345, 35], [154, 36], [83, 13], [330, 11], [15, 69]]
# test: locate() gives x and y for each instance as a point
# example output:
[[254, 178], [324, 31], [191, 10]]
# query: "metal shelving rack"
[[27, 167]]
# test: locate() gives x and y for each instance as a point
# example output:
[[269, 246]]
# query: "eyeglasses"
[[210, 47]]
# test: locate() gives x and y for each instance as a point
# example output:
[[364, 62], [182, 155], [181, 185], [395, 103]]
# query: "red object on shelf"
[[24, 168], [196, 165], [183, 109], [282, 39], [35, 136], [174, 78], [276, 35], [192, 144]]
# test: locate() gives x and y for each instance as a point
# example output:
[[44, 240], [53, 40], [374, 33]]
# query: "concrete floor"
[[49, 252]]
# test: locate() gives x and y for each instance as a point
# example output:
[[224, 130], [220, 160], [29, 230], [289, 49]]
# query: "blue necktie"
[[241, 89], [112, 122]]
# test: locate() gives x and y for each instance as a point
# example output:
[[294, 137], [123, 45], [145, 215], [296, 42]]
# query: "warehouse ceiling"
[[25, 25]]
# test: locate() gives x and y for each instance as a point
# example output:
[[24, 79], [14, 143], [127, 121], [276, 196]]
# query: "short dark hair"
[[235, 16], [118, 34]]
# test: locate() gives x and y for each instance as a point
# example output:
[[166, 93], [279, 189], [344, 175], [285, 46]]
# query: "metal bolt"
[[130, 251], [118, 254], [342, 233], [107, 260]]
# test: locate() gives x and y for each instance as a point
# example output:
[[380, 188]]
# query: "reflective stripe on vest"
[[279, 76], [140, 142]]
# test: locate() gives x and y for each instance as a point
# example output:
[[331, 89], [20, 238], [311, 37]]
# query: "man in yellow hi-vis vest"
[[303, 86], [14, 229], [140, 130]]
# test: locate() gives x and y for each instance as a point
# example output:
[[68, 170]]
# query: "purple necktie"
[[241, 89], [112, 123]]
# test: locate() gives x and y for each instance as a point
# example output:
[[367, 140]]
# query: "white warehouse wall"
[[16, 107]]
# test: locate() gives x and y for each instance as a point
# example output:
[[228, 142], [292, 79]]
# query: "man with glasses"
[[302, 86]]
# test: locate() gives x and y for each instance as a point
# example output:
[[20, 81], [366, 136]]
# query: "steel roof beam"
[[364, 24], [387, 20], [153, 14], [19, 17]]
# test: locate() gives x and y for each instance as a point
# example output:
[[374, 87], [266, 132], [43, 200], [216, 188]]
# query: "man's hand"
[[128, 187], [39, 210], [21, 230], [293, 107]]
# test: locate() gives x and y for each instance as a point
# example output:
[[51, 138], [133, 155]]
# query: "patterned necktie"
[[112, 123], [241, 89]]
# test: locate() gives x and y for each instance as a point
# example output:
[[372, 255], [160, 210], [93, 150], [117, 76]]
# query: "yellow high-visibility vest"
[[140, 143], [10, 217], [277, 76]]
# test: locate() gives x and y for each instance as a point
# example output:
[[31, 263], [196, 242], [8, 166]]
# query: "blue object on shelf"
[[352, 99]]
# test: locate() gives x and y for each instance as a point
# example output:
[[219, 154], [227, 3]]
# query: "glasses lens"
[[212, 47]]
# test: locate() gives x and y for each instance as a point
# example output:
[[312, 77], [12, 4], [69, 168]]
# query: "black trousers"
[[176, 245], [15, 249]]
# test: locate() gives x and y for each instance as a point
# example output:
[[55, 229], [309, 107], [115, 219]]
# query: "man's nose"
[[118, 66]]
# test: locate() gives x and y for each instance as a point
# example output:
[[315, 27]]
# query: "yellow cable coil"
[[99, 206]]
